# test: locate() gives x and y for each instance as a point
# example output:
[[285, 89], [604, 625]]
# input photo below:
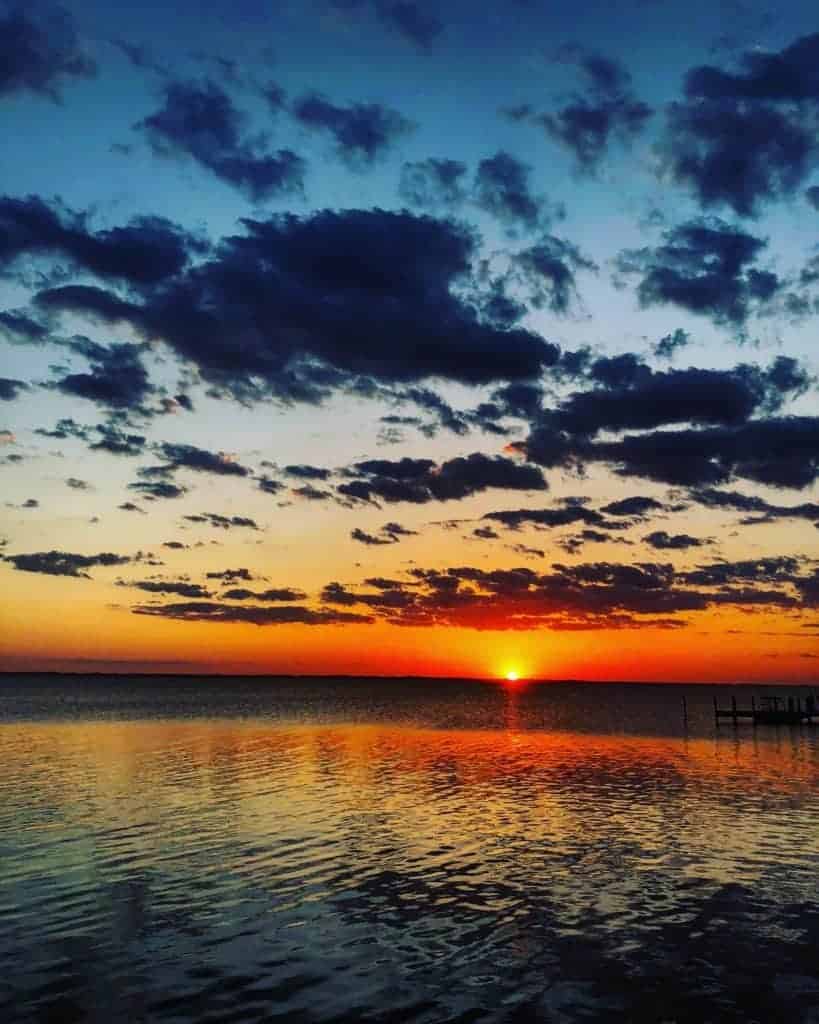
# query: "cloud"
[[433, 183], [743, 138], [637, 506], [663, 541], [363, 132], [64, 563], [502, 190], [606, 110], [208, 611], [129, 506], [735, 501], [779, 452], [40, 52], [391, 533], [303, 472], [268, 485], [643, 398], [199, 120], [158, 489], [179, 588], [188, 456], [593, 595], [705, 267], [19, 329], [78, 485], [549, 268], [11, 389], [143, 252], [421, 480], [117, 378], [298, 307], [272, 594], [549, 518], [405, 17], [411, 21], [310, 493], [231, 575], [668, 346], [221, 522]]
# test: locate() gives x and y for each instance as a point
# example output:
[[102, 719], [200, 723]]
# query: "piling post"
[[734, 709], [716, 713], [685, 712], [753, 710]]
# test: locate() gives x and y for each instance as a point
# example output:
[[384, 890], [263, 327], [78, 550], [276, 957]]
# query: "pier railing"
[[771, 711]]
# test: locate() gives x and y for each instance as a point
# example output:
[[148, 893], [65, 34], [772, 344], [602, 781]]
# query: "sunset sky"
[[411, 337]]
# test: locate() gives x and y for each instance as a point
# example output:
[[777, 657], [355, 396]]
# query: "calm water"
[[190, 850]]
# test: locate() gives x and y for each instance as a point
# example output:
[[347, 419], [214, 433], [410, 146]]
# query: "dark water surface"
[[293, 850]]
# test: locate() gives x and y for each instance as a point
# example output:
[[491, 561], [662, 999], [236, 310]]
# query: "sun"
[[512, 677]]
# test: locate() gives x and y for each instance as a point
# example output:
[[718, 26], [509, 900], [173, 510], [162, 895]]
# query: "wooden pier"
[[771, 711]]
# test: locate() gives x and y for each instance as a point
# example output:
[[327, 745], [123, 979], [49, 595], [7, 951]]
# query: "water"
[[296, 851]]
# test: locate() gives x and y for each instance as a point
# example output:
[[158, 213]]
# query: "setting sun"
[[512, 677]]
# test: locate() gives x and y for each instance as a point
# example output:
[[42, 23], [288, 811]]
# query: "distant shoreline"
[[348, 677]]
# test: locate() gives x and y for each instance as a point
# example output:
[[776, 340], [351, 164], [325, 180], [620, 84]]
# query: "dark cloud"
[[311, 493], [779, 569], [662, 541], [485, 533], [11, 389], [78, 485], [405, 17], [637, 506], [299, 307], [433, 183], [363, 132], [303, 472], [766, 511], [742, 138], [778, 452], [606, 110], [670, 344], [178, 588], [117, 378], [222, 522], [410, 20], [64, 563], [19, 329], [158, 489], [594, 595], [549, 518], [637, 397], [143, 252], [30, 503], [706, 267], [268, 485], [502, 190], [199, 120], [231, 575], [208, 611], [129, 506], [812, 196], [272, 594], [421, 480], [369, 538], [188, 456], [549, 268], [175, 545], [40, 52]]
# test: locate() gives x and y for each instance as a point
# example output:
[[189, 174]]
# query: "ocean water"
[[234, 850]]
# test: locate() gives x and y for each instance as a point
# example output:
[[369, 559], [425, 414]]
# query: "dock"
[[771, 711]]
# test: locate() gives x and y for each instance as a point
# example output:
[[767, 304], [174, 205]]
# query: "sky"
[[405, 337]]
